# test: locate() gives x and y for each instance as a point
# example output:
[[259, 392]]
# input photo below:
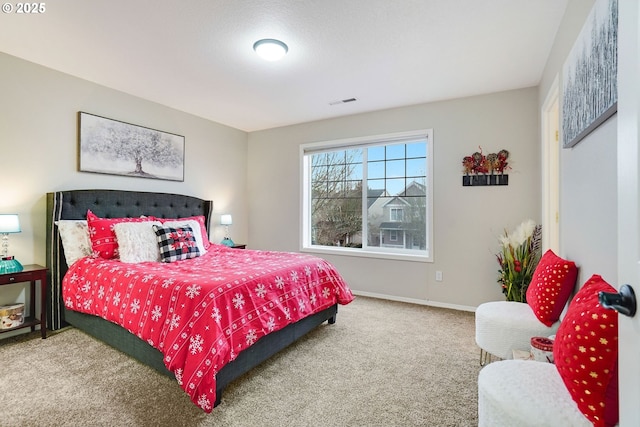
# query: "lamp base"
[[227, 242], [8, 264]]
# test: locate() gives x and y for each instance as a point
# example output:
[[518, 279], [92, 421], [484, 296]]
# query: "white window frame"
[[393, 217], [370, 252]]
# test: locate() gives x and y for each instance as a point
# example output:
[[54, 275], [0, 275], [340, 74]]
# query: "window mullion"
[[365, 196]]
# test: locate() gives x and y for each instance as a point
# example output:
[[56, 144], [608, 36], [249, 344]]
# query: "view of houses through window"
[[370, 196]]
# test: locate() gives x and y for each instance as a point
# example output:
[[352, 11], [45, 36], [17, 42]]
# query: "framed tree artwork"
[[590, 89], [118, 148]]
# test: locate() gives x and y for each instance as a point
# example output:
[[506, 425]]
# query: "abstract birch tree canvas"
[[590, 89], [118, 148]]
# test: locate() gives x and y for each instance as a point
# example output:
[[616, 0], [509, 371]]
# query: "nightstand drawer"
[[24, 275]]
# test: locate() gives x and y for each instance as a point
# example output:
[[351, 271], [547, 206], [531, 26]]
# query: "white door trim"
[[628, 203], [550, 133]]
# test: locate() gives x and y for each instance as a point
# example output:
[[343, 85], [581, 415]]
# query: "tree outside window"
[[369, 197]]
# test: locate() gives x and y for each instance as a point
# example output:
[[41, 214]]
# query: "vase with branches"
[[518, 258]]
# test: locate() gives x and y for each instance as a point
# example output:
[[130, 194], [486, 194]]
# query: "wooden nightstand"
[[31, 273], [237, 246]]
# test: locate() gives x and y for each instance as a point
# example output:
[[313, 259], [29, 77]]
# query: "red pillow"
[[103, 237], [551, 285], [200, 219], [586, 354]]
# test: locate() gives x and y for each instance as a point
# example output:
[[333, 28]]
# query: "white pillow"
[[75, 239], [137, 241], [195, 226]]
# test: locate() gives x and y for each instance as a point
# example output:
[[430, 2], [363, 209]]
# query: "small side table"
[[31, 273], [237, 246]]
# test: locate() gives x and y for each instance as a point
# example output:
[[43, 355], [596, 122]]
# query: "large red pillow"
[[551, 285], [103, 238], [586, 354]]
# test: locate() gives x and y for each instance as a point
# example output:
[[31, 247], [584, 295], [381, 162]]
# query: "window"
[[396, 214], [369, 196]]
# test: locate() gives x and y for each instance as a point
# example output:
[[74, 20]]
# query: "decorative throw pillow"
[[195, 225], [103, 238], [202, 228], [586, 353], [75, 239], [176, 244], [551, 285], [137, 241]]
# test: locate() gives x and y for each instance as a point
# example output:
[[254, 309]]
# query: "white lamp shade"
[[9, 223], [270, 49], [226, 219]]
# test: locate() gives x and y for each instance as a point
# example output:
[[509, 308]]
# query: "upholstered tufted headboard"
[[74, 204]]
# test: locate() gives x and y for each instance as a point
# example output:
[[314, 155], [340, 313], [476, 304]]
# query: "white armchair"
[[580, 389], [504, 326], [525, 393]]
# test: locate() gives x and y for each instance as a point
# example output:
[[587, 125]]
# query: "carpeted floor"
[[382, 364]]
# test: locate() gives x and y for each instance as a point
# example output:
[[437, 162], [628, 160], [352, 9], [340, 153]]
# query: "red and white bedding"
[[200, 313]]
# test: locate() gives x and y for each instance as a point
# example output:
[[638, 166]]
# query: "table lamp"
[[226, 221], [9, 223]]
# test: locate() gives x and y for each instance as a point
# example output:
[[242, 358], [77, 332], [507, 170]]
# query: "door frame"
[[628, 203], [550, 132]]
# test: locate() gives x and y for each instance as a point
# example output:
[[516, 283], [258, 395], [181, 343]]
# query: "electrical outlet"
[[438, 276]]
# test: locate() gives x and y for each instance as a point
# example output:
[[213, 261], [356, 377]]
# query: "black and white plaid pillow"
[[176, 243]]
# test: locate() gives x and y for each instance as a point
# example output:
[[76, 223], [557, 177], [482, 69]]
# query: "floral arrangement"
[[491, 163], [518, 258]]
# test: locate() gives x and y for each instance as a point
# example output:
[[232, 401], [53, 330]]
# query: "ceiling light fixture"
[[270, 49]]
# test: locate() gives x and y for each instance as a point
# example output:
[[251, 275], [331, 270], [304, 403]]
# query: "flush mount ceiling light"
[[270, 49]]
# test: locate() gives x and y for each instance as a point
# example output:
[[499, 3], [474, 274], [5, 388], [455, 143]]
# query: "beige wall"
[[38, 140], [588, 172], [467, 221], [256, 177]]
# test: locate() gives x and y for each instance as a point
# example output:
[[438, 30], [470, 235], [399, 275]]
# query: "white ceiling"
[[196, 55]]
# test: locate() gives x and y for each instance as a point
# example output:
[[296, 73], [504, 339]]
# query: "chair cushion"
[[525, 393], [504, 326], [586, 353], [551, 285]]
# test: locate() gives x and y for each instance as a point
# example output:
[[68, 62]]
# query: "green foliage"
[[518, 260]]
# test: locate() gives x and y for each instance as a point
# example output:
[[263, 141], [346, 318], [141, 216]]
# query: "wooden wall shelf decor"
[[481, 180], [480, 170]]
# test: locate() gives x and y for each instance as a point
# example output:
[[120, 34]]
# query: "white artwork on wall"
[[118, 148], [590, 89]]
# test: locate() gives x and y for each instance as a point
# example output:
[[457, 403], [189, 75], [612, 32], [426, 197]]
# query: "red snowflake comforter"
[[200, 313]]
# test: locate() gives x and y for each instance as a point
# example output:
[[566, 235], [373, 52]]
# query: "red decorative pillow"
[[586, 354], [203, 228], [551, 285], [103, 238]]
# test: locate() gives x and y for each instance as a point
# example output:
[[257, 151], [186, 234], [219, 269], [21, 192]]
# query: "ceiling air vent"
[[343, 101]]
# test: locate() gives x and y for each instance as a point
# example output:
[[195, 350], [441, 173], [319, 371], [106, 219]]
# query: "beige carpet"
[[382, 364]]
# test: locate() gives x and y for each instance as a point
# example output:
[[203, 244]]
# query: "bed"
[[298, 310]]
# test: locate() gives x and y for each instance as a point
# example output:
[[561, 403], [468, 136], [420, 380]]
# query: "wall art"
[[118, 148], [480, 170], [590, 84]]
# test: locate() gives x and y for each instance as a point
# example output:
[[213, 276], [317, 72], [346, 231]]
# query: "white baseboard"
[[416, 301]]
